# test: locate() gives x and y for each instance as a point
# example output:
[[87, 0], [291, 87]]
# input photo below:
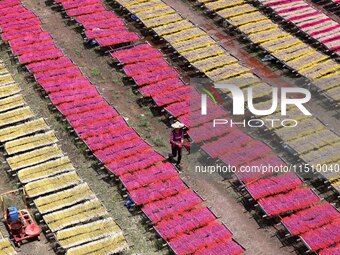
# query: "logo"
[[213, 94], [239, 100], [278, 95]]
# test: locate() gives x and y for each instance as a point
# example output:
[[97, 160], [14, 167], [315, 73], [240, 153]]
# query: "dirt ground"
[[223, 201]]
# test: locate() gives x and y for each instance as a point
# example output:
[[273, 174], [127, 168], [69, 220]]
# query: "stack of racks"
[[225, 140], [320, 145], [64, 201], [115, 144], [299, 210], [192, 43], [155, 78], [332, 6], [318, 68], [309, 20], [335, 181], [311, 139], [166, 89], [99, 24], [160, 206]]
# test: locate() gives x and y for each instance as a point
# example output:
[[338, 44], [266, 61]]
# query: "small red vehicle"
[[20, 224], [24, 228]]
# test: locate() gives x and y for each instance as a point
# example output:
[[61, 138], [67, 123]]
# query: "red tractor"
[[20, 224]]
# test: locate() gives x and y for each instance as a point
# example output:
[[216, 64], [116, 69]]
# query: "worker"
[[177, 142]]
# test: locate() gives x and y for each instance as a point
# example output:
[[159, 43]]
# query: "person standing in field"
[[177, 142]]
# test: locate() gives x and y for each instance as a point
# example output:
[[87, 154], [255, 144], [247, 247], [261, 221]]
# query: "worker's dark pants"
[[177, 150]]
